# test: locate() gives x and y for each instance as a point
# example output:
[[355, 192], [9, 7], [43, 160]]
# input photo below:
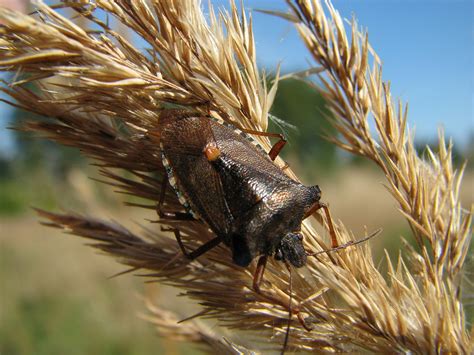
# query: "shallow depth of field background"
[[56, 294]]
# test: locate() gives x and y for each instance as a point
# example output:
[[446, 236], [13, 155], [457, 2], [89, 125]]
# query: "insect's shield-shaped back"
[[106, 100]]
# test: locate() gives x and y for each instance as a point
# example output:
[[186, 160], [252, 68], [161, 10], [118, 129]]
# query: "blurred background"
[[56, 295]]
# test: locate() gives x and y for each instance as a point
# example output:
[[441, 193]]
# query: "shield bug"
[[224, 178]]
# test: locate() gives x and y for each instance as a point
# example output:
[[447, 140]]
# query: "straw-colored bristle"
[[105, 97], [170, 326], [427, 316]]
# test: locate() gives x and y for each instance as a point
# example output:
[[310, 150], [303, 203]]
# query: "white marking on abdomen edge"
[[174, 184]]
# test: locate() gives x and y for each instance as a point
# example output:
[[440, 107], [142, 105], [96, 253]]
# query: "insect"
[[224, 178]]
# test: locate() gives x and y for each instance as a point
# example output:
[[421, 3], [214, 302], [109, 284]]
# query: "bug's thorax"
[[272, 223], [288, 208]]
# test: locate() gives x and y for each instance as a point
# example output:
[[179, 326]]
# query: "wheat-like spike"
[[105, 96], [169, 326], [427, 190]]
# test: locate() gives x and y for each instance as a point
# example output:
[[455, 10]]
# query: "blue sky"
[[427, 50]]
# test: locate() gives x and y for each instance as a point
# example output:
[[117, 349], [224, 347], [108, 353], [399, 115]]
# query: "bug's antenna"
[[290, 311], [332, 230], [348, 244]]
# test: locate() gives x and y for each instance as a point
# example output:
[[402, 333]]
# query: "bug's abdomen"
[[197, 184]]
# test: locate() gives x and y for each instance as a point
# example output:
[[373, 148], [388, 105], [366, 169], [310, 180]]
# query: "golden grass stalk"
[[104, 95], [426, 190], [193, 331]]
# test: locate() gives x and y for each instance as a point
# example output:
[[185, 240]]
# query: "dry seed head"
[[107, 84]]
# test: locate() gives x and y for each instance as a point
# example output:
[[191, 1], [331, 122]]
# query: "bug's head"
[[291, 250]]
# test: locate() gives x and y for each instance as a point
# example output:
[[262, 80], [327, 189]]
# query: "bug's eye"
[[300, 236], [278, 255]]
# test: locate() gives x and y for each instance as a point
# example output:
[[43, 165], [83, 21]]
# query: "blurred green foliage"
[[300, 105], [36, 172], [36, 319]]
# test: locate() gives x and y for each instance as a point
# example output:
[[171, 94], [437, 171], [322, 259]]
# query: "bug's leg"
[[290, 310], [293, 310], [332, 230], [277, 147], [199, 251], [207, 105], [257, 280], [205, 248], [182, 216], [258, 276], [299, 315]]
